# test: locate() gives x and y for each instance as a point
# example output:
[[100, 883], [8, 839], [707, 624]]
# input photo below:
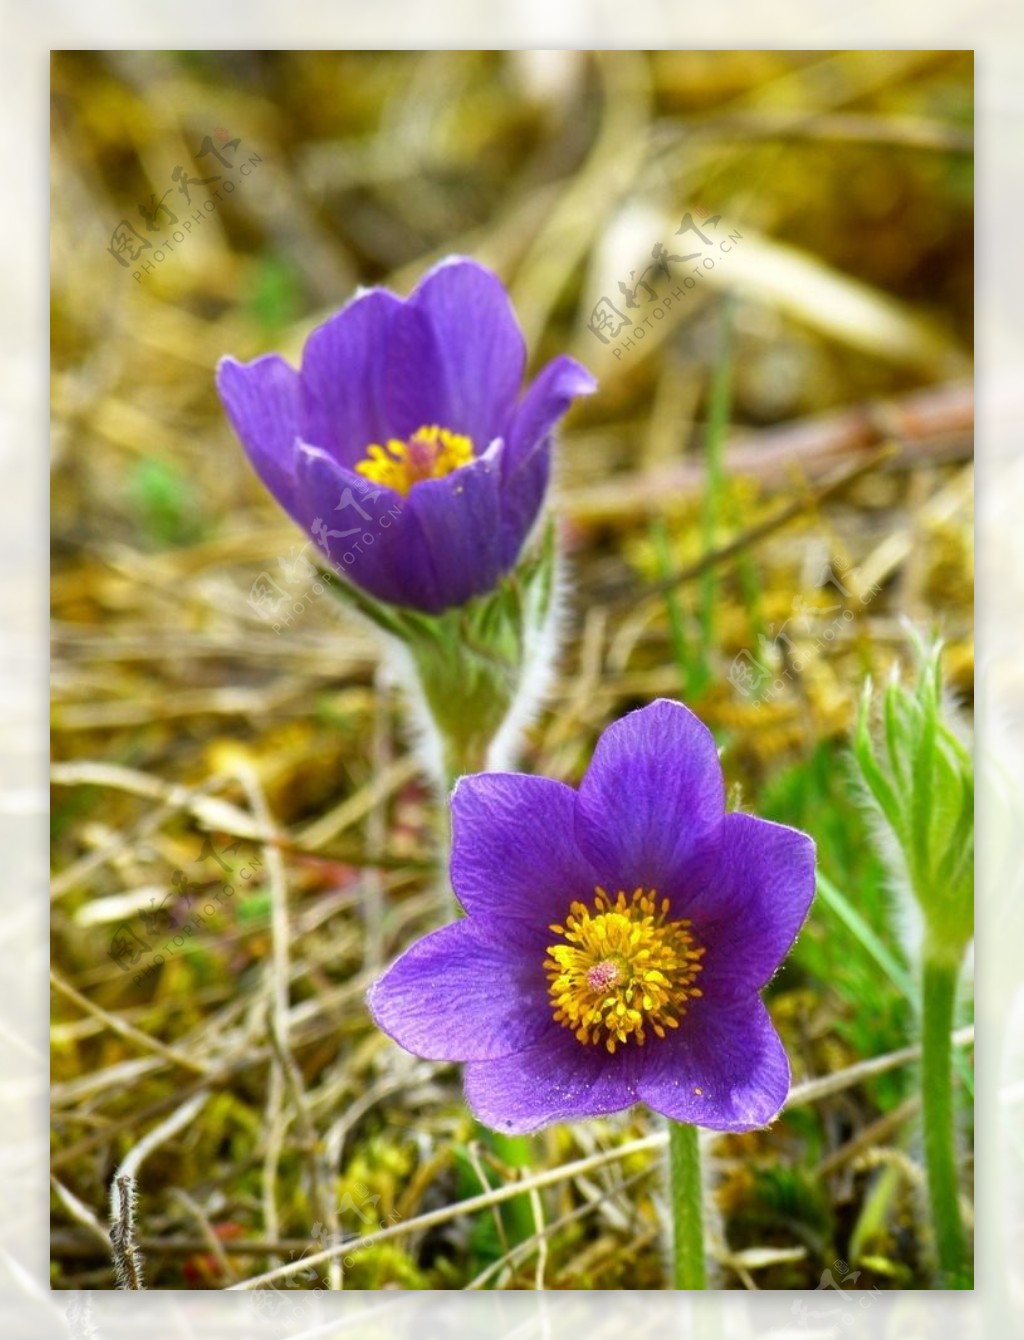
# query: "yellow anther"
[[621, 966], [430, 453]]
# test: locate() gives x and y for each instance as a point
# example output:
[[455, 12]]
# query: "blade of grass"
[[883, 956], [673, 608], [838, 903], [719, 400]]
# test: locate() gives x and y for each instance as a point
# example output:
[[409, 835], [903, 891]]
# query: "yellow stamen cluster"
[[622, 967], [430, 453]]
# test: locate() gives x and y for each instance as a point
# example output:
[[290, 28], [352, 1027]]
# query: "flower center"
[[622, 967], [430, 453]]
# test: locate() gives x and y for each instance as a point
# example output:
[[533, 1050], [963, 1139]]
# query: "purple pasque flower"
[[403, 445], [615, 942]]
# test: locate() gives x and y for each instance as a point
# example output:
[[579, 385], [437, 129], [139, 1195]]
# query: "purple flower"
[[403, 445], [616, 940]]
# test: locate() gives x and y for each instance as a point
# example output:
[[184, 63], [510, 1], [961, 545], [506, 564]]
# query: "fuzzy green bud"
[[920, 777]]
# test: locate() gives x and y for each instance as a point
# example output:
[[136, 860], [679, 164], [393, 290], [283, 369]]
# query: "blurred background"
[[775, 473]]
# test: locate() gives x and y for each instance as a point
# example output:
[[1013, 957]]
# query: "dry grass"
[[196, 747]]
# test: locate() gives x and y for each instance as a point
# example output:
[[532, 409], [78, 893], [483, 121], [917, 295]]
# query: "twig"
[[180, 1117], [910, 132], [762, 530], [124, 1247], [802, 1094], [542, 1237], [124, 1194], [174, 798], [80, 1212], [376, 823], [243, 1057], [872, 1134], [284, 1070], [523, 1250], [813, 1089], [354, 808], [213, 813], [129, 1031], [473, 1155], [927, 426]]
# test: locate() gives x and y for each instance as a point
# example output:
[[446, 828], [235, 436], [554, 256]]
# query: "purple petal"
[[556, 1079], [460, 994], [549, 395], [527, 464], [340, 363], [377, 542], [459, 517], [732, 1054], [263, 402], [480, 343], [652, 794], [412, 376], [752, 893], [514, 854]]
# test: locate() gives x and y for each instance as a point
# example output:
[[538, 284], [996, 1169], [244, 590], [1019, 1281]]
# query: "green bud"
[[920, 777]]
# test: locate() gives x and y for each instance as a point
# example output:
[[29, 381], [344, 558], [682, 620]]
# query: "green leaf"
[[855, 923]]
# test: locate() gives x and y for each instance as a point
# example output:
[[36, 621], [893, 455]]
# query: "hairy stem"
[[938, 1000], [686, 1194]]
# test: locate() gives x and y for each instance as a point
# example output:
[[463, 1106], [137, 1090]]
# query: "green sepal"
[[470, 661]]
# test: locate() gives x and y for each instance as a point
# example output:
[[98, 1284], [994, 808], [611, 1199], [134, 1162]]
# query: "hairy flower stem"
[[686, 1195], [938, 1001]]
